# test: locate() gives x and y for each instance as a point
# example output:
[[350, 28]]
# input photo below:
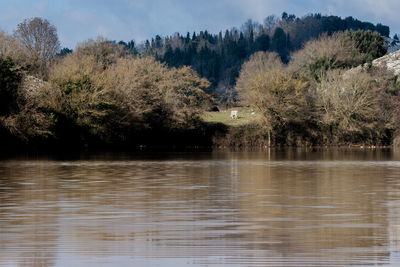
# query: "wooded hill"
[[219, 57]]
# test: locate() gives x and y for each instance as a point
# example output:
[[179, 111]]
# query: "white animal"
[[234, 114]]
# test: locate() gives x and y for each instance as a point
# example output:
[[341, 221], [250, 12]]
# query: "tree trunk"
[[269, 138]]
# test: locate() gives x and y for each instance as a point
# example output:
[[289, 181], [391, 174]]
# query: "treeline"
[[114, 94], [219, 57]]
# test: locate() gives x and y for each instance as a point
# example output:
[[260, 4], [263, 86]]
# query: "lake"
[[321, 207]]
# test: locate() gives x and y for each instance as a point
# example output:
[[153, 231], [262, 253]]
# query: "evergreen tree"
[[280, 43]]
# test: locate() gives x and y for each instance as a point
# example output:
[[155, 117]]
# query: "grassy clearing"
[[224, 116]]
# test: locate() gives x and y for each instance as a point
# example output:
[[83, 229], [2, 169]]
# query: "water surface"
[[274, 208]]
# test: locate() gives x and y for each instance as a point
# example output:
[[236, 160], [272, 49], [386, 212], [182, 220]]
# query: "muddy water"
[[274, 208]]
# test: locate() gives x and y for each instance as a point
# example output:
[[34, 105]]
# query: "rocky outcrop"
[[390, 61]]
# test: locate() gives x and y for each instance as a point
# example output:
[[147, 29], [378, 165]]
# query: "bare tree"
[[270, 22], [278, 94], [39, 40], [8, 46]]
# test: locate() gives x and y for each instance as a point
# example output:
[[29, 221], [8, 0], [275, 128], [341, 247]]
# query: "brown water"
[[276, 208]]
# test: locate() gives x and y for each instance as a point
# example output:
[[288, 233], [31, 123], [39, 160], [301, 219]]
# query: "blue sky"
[[79, 20]]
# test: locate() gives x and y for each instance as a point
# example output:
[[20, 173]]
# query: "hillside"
[[219, 57]]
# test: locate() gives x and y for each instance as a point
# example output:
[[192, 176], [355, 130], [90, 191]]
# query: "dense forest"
[[293, 72]]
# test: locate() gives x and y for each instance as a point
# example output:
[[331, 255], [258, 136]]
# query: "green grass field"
[[224, 116]]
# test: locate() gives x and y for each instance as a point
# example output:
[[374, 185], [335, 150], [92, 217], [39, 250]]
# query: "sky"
[[79, 20]]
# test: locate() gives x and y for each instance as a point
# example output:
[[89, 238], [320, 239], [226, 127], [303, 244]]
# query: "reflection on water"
[[278, 208]]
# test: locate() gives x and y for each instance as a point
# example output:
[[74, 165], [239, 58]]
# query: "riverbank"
[[218, 133]]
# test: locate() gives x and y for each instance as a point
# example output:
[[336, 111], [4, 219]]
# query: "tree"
[[127, 96], [280, 43], [130, 46], [104, 51], [10, 48], [39, 40], [10, 78], [185, 95], [65, 51], [370, 43], [383, 29], [270, 22], [349, 104], [261, 43], [326, 53], [219, 57], [302, 30], [279, 95]]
